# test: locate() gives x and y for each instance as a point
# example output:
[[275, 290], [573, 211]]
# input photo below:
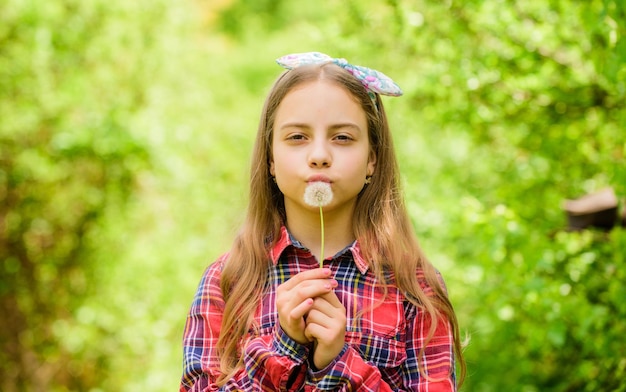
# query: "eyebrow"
[[332, 127]]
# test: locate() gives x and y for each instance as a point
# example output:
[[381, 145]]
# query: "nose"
[[320, 155]]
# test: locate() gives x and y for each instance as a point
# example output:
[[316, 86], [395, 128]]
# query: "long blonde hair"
[[381, 224]]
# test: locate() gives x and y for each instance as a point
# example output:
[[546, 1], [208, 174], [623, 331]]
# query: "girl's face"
[[320, 134]]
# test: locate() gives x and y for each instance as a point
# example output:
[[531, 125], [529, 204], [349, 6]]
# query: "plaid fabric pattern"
[[383, 339]]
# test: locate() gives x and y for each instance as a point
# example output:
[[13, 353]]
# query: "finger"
[[325, 314], [308, 336], [328, 342], [301, 310], [332, 299], [314, 331], [324, 329], [318, 318], [307, 289], [315, 273]]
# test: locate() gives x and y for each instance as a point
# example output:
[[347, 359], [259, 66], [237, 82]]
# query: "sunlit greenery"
[[125, 132]]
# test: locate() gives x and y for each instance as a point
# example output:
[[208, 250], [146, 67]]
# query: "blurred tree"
[[243, 17], [72, 73]]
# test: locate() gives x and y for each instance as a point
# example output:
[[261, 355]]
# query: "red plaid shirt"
[[382, 346]]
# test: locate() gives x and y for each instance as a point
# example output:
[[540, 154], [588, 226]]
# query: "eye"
[[295, 137], [343, 137]]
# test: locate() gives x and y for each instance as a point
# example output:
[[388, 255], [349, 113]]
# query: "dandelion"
[[319, 194]]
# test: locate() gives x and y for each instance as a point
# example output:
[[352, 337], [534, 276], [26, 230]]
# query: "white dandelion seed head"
[[318, 194]]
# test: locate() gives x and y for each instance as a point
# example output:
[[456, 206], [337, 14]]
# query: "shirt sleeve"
[[351, 372], [437, 357], [271, 362]]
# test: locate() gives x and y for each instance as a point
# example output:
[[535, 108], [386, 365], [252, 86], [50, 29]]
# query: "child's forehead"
[[320, 84], [323, 98], [321, 90]]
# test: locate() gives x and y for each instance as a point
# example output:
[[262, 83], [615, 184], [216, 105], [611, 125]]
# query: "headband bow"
[[374, 81]]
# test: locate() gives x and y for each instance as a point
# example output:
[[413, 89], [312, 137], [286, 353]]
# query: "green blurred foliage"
[[125, 130], [67, 159]]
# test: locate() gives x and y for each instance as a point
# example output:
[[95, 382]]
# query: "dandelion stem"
[[319, 194], [322, 245]]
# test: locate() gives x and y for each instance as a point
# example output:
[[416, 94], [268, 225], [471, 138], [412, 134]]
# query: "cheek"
[[275, 159], [281, 164]]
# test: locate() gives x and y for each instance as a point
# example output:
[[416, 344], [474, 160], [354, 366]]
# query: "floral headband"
[[374, 81]]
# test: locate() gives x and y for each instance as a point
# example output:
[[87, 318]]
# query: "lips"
[[318, 178]]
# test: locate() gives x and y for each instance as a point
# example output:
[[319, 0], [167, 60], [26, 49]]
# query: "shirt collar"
[[286, 240]]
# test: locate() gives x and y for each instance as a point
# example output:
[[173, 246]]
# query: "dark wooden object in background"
[[594, 210]]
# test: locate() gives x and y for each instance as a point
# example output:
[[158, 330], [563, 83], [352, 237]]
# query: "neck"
[[337, 231]]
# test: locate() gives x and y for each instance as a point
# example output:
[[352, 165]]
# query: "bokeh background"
[[125, 132]]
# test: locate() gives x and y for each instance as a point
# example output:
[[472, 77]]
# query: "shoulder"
[[210, 281], [427, 278], [208, 302], [214, 269]]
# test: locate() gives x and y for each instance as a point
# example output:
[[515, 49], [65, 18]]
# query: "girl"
[[376, 317]]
